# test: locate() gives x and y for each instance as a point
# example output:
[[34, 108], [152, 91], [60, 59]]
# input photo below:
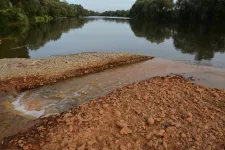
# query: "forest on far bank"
[[197, 11], [194, 11], [22, 11]]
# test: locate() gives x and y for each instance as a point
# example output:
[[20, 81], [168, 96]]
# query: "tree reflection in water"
[[200, 40]]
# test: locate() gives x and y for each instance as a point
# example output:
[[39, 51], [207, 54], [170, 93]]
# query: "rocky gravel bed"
[[162, 113], [22, 74]]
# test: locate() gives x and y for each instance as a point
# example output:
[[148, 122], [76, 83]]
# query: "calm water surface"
[[204, 45]]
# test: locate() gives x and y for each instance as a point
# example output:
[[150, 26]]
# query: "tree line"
[[21, 11], [117, 13], [182, 10]]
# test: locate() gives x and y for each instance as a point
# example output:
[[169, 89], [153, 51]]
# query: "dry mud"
[[160, 113]]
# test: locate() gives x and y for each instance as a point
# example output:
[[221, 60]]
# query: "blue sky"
[[103, 5]]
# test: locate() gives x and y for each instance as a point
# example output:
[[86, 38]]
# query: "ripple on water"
[[19, 107]]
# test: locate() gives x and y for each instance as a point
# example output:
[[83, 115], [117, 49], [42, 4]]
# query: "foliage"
[[152, 9], [42, 18], [5, 4], [117, 13], [200, 10], [91, 13], [54, 8], [10, 17], [14, 11], [182, 10]]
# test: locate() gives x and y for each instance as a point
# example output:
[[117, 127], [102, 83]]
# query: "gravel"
[[21, 74], [160, 113]]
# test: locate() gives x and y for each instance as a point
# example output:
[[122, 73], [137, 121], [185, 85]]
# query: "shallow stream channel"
[[20, 110]]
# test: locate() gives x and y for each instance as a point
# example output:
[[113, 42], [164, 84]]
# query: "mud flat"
[[22, 74], [159, 113]]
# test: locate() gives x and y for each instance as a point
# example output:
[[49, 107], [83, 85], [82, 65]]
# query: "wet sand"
[[159, 113], [22, 74]]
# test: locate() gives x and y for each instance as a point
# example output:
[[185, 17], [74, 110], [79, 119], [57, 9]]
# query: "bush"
[[11, 17], [44, 18]]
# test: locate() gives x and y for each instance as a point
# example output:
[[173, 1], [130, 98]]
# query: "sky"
[[103, 5]]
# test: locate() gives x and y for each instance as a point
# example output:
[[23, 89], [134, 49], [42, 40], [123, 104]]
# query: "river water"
[[199, 45], [196, 44]]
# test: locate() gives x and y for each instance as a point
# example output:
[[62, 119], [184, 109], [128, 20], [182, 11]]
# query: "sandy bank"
[[159, 113], [22, 74]]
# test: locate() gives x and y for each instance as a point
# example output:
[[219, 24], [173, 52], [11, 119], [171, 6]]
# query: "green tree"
[[5, 4], [152, 9], [200, 10]]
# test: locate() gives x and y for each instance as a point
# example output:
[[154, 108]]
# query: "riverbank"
[[159, 113], [22, 74]]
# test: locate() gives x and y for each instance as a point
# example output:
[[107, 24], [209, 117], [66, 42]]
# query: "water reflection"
[[17, 45], [153, 32], [199, 40], [109, 19], [197, 44]]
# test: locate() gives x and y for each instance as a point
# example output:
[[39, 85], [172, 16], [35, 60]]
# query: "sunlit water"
[[197, 44]]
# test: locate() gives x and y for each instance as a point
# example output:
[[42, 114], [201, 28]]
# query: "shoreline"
[[162, 112], [23, 74]]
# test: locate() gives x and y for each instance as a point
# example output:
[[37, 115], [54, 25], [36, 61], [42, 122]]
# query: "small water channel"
[[20, 110]]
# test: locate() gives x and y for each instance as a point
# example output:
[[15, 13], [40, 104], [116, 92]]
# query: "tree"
[[4, 4], [200, 10], [152, 9]]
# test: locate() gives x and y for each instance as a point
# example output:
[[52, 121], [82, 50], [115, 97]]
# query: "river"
[[196, 44], [199, 45]]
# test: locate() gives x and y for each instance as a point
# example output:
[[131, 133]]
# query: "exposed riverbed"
[[19, 110]]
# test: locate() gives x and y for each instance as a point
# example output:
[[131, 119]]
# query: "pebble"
[[125, 130], [150, 144], [99, 138], [122, 147], [208, 147], [161, 133], [145, 98], [189, 114], [117, 113], [165, 145], [183, 135], [150, 120], [173, 111], [101, 112], [189, 119], [121, 124], [82, 147], [105, 105], [20, 141], [25, 147], [71, 128], [148, 136]]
